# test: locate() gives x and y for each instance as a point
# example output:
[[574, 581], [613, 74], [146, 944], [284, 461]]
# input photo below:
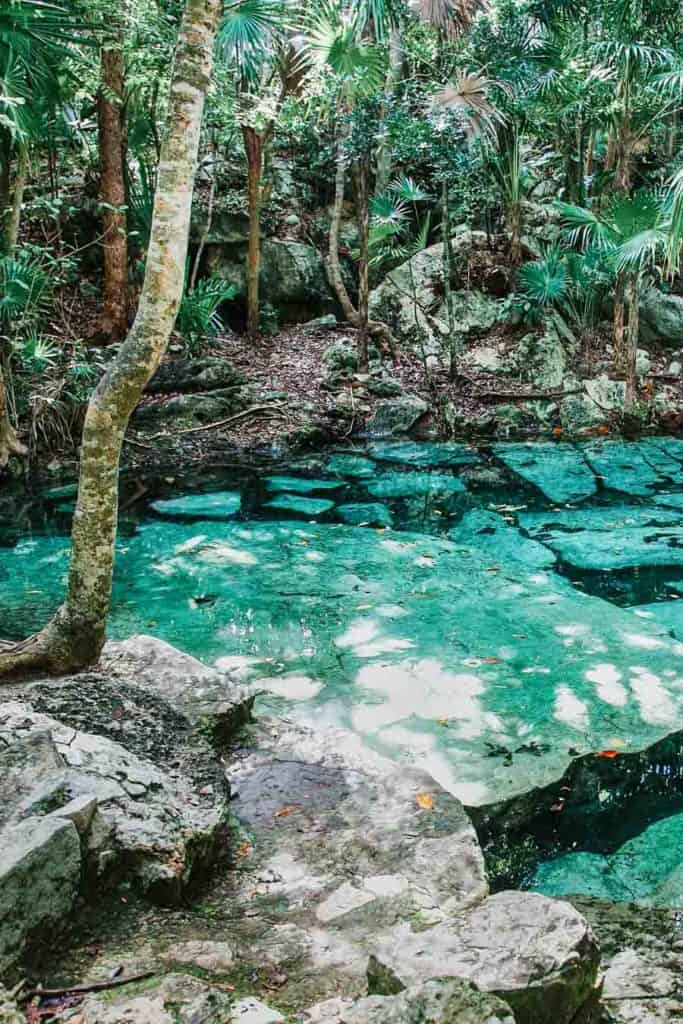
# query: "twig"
[[652, 995], [231, 419], [138, 444], [96, 986]]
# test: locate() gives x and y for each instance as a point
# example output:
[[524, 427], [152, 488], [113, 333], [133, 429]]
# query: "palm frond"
[[469, 95], [450, 17]]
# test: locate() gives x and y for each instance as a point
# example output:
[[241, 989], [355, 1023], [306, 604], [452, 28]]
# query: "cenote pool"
[[490, 615]]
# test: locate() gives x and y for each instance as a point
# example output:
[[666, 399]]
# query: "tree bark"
[[394, 75], [113, 191], [5, 195], [75, 636], [14, 217], [454, 338], [253, 147], [620, 323], [9, 442], [362, 206], [631, 346], [376, 328]]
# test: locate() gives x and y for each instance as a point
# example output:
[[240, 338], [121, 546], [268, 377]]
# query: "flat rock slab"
[[342, 844], [489, 533], [354, 466], [440, 1001], [218, 505], [365, 514], [424, 454], [621, 466], [538, 955], [410, 485], [558, 470], [301, 484], [609, 538], [300, 505], [666, 614]]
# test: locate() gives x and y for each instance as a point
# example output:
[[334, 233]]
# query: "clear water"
[[483, 614]]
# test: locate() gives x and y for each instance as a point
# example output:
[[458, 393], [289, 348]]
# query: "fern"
[[198, 318]]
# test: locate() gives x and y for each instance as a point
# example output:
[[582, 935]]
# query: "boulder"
[[661, 318], [292, 280], [189, 410], [441, 1001], [600, 399], [537, 954], [40, 872], [542, 360], [397, 415], [210, 373], [201, 694], [150, 823]]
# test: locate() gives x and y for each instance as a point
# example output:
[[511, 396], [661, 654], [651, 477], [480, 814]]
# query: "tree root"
[[56, 649], [10, 444]]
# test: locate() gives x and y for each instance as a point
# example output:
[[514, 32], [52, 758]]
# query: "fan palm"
[[631, 234]]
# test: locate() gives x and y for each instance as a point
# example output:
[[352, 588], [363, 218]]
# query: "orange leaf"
[[558, 431], [609, 754], [425, 801], [285, 812], [490, 661]]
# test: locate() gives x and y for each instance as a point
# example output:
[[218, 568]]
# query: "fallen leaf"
[[443, 721], [285, 812], [558, 431], [425, 801], [244, 850], [490, 661], [609, 754]]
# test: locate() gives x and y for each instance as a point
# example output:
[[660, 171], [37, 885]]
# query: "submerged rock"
[[491, 534], [424, 453], [407, 485], [301, 484], [365, 514], [558, 470], [299, 505], [214, 505], [354, 466]]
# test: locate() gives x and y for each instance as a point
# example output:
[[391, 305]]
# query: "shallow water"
[[484, 614]]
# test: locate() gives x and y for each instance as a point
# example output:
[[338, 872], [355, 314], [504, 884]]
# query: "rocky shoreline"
[[256, 871]]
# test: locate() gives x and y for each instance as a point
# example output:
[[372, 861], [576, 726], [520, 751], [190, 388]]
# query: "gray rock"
[[40, 871], [601, 397], [397, 415], [214, 957], [328, 322], [661, 318], [173, 999], [441, 1001], [537, 954], [204, 696], [210, 373], [148, 820], [192, 409]]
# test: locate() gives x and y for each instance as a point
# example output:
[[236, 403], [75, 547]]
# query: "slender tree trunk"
[[75, 635], [620, 323], [113, 190], [253, 146], [453, 337], [394, 75], [14, 218], [631, 346], [515, 233], [9, 442], [588, 161], [207, 225], [363, 213], [5, 193]]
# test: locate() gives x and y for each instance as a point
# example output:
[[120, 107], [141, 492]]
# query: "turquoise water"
[[484, 614]]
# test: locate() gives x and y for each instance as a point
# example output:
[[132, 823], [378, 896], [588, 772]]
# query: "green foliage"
[[570, 286], [25, 290], [199, 320]]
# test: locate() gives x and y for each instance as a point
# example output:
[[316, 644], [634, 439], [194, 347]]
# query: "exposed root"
[[10, 443], [57, 649]]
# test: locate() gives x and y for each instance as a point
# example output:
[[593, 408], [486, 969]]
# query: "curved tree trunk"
[[620, 350], [253, 147], [113, 191], [9, 443], [631, 345], [75, 636]]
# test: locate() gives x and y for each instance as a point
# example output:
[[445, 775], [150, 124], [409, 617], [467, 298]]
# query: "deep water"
[[489, 615]]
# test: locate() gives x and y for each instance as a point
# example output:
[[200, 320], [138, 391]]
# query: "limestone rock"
[[209, 373], [440, 1001], [214, 957], [661, 318], [490, 533], [397, 415], [537, 954], [174, 999], [203, 695], [148, 820], [600, 398], [40, 870]]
